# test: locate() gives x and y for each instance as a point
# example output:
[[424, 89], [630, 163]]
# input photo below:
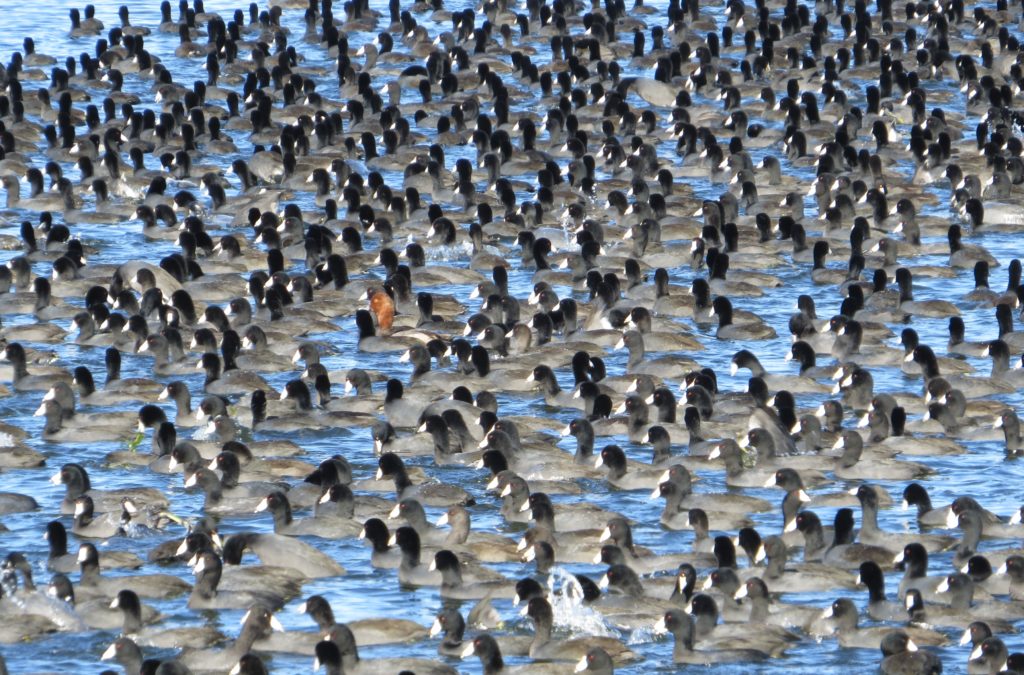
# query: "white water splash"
[[451, 253], [569, 611]]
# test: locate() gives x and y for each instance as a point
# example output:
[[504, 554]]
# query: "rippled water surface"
[[364, 591]]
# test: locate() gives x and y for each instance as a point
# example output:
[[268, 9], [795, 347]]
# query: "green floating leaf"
[[173, 518], [136, 440]]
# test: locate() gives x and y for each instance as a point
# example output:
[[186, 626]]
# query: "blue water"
[[366, 592]]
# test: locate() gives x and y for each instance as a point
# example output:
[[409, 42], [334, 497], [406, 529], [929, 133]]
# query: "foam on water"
[[566, 595]]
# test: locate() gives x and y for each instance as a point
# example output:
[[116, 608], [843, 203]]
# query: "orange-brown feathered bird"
[[383, 307]]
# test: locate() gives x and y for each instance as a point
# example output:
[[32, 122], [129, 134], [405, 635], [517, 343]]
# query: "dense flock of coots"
[[509, 227]]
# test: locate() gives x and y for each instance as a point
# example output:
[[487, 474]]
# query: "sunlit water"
[[366, 592]]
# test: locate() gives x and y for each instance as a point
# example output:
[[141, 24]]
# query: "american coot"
[[257, 622], [411, 570], [788, 615], [390, 466], [453, 586], [126, 653], [613, 459], [878, 608], [544, 646], [128, 603], [870, 533], [280, 508], [727, 330], [596, 660], [217, 498], [92, 584], [344, 650], [771, 640], [450, 624], [87, 525], [30, 602], [14, 353], [987, 657], [485, 546], [802, 577], [916, 495], [76, 482], [901, 656], [384, 554], [207, 569], [411, 511], [681, 626], [366, 631], [59, 560], [913, 561], [286, 552], [842, 614], [56, 428], [921, 613], [486, 648]]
